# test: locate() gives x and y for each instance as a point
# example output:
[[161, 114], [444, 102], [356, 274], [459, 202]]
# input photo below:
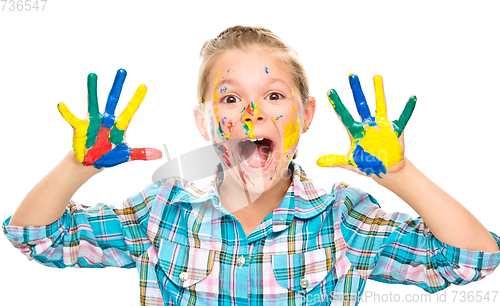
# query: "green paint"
[[400, 124], [221, 132], [355, 128], [242, 110], [95, 117], [276, 119], [116, 135]]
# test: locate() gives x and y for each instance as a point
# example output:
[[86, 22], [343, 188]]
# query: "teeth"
[[255, 139]]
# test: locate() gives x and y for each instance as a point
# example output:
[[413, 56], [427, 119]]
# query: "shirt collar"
[[304, 198]]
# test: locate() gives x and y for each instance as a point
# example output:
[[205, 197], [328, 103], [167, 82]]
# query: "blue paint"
[[120, 154], [113, 97], [223, 90], [359, 98], [267, 72], [368, 163]]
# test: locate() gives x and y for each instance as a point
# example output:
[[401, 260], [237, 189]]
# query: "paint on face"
[[216, 98], [252, 113], [223, 90], [291, 132], [267, 72], [292, 92], [275, 120]]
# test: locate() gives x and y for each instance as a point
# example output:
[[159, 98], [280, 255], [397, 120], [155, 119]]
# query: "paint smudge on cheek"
[[291, 132], [223, 154], [267, 71], [275, 120]]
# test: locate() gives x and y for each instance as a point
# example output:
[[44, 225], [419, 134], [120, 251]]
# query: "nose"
[[252, 113]]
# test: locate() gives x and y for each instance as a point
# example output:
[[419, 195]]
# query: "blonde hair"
[[244, 38]]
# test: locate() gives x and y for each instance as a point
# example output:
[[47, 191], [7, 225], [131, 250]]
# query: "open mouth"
[[256, 153]]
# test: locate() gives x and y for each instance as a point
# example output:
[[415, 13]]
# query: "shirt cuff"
[[33, 240], [471, 261]]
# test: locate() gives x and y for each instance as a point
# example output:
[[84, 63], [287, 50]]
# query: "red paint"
[[250, 110], [100, 147], [145, 154]]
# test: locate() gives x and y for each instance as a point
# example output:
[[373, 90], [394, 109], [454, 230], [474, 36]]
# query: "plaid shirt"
[[316, 248]]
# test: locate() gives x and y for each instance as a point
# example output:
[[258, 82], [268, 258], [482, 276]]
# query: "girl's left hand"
[[377, 144]]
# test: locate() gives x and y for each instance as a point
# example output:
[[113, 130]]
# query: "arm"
[[396, 248], [377, 150], [45, 228], [447, 219], [47, 201]]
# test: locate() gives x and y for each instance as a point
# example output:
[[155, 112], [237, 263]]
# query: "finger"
[[113, 97], [93, 108], [145, 154], [400, 124], [380, 108], [68, 116], [80, 134], [119, 155], [127, 114], [359, 98], [354, 127], [332, 160]]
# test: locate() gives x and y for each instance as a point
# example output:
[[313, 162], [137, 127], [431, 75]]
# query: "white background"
[[444, 52]]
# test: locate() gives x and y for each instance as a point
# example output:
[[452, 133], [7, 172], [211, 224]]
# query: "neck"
[[250, 208]]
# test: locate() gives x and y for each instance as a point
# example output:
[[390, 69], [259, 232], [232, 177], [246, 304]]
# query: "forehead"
[[255, 63]]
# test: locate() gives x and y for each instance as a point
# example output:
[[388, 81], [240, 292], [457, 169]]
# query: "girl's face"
[[254, 116]]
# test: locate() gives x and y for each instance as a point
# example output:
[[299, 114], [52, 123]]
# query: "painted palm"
[[99, 140], [375, 141]]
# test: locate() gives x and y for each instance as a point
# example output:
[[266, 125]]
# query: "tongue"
[[255, 154]]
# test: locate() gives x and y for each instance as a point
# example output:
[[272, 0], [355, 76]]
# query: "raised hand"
[[99, 140], [376, 142]]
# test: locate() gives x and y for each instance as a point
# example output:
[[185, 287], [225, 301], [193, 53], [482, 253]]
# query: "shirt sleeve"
[[90, 237], [395, 248]]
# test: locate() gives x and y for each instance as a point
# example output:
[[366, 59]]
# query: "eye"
[[230, 99], [275, 96]]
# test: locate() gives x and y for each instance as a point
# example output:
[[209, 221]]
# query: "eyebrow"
[[235, 82]]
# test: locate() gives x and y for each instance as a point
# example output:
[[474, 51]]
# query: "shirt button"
[[241, 261], [304, 283], [183, 276]]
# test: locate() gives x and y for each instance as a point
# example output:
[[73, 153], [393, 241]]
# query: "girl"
[[259, 231]]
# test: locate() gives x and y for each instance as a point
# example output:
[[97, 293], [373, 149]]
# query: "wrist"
[[398, 174], [77, 168]]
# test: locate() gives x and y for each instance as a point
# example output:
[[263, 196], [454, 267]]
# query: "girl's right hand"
[[99, 140]]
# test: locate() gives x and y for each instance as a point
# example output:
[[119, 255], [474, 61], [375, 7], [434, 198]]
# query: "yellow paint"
[[382, 143], [124, 119], [249, 126], [216, 98], [215, 110], [293, 109], [380, 108], [256, 111], [80, 131], [291, 133], [292, 92], [331, 160]]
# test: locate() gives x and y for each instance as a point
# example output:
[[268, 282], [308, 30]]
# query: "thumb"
[[332, 160]]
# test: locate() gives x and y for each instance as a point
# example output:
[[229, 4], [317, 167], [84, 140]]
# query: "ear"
[[309, 111], [201, 123]]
